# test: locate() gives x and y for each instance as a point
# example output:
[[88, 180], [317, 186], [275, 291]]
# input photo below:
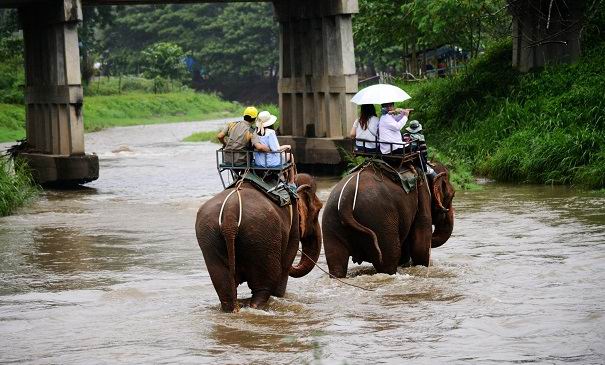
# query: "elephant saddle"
[[276, 190], [406, 177]]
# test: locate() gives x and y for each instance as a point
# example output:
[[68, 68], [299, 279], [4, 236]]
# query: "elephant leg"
[[264, 272], [390, 247], [280, 290], [420, 241], [218, 268], [337, 253]]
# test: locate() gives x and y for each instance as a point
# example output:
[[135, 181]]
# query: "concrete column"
[[53, 95], [317, 67]]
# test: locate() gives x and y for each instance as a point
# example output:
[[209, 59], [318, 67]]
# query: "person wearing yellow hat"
[[240, 136]]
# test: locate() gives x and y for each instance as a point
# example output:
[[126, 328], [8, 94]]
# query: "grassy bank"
[[130, 109], [16, 186], [541, 127]]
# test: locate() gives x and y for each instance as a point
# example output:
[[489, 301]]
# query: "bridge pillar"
[[53, 95], [317, 76]]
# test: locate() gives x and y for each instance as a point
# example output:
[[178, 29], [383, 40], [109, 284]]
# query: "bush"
[[16, 185]]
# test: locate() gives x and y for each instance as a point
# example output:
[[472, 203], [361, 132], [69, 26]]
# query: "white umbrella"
[[380, 94]]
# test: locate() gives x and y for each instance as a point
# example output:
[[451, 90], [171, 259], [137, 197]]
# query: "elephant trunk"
[[444, 225], [311, 247]]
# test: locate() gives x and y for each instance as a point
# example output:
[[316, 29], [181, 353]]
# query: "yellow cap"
[[251, 112]]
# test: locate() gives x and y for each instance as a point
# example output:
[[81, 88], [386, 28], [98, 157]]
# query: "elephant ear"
[[308, 208], [443, 192]]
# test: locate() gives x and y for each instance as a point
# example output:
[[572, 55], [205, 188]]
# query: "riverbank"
[[135, 108], [542, 127]]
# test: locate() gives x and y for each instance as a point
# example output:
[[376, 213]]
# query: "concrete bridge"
[[317, 81]]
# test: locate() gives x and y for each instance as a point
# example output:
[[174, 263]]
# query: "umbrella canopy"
[[380, 94]]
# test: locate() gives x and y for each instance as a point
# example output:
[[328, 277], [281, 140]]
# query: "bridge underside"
[[317, 80]]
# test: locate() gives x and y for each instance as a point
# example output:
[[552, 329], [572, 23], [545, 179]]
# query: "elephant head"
[[442, 209], [308, 206]]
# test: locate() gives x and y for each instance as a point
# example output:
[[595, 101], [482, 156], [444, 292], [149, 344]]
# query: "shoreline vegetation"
[[16, 185], [542, 127]]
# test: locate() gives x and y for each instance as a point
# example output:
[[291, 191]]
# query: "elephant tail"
[[347, 219], [229, 229]]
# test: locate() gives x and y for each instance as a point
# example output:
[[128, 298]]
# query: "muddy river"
[[113, 274]]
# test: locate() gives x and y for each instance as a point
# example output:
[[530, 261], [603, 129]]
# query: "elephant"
[[260, 246], [378, 222]]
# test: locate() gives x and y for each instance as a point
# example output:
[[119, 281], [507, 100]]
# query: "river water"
[[113, 274]]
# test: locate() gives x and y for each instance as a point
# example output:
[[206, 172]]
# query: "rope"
[[342, 190], [356, 188], [334, 277], [238, 187]]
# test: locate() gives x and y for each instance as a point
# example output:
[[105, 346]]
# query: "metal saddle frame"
[[231, 164]]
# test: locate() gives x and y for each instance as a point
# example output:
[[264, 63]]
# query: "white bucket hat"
[[414, 127], [264, 119]]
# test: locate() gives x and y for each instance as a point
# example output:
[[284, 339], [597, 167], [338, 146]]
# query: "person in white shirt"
[[365, 129], [272, 154], [389, 129]]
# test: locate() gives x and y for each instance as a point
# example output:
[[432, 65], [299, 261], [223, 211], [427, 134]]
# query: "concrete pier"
[[53, 94], [317, 78]]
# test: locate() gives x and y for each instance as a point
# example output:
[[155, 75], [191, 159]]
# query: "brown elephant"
[[387, 227], [261, 248]]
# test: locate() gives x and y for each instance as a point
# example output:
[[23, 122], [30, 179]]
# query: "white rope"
[[239, 198], [356, 188], [220, 215], [341, 191], [290, 206]]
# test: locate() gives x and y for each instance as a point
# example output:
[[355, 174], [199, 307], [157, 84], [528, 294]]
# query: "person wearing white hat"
[[267, 136]]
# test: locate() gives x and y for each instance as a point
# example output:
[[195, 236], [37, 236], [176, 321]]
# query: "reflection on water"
[[113, 273]]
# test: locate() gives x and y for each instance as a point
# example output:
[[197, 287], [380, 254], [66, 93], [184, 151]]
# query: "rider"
[[419, 144], [240, 136], [389, 129]]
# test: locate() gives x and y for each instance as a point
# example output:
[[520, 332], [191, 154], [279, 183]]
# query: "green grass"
[[209, 136], [545, 126], [16, 185], [130, 109], [113, 86], [138, 108]]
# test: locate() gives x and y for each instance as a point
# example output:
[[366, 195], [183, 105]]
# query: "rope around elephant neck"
[[332, 276]]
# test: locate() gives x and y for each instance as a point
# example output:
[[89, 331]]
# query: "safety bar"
[[237, 162]]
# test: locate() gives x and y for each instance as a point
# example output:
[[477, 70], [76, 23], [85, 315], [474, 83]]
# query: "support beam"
[[317, 67], [53, 95]]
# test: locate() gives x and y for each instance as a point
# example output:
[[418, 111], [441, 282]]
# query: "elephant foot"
[[230, 307], [408, 263], [259, 298]]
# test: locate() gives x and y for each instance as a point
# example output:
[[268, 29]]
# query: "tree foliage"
[[164, 59], [226, 40], [385, 30]]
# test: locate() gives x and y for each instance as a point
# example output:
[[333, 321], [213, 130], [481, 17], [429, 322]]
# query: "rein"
[[332, 276]]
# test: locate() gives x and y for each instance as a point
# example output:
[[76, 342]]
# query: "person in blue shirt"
[[276, 157]]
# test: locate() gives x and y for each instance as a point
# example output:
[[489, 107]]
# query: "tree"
[[229, 40], [164, 60], [387, 30]]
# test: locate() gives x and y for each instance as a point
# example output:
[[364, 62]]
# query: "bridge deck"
[[19, 3]]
